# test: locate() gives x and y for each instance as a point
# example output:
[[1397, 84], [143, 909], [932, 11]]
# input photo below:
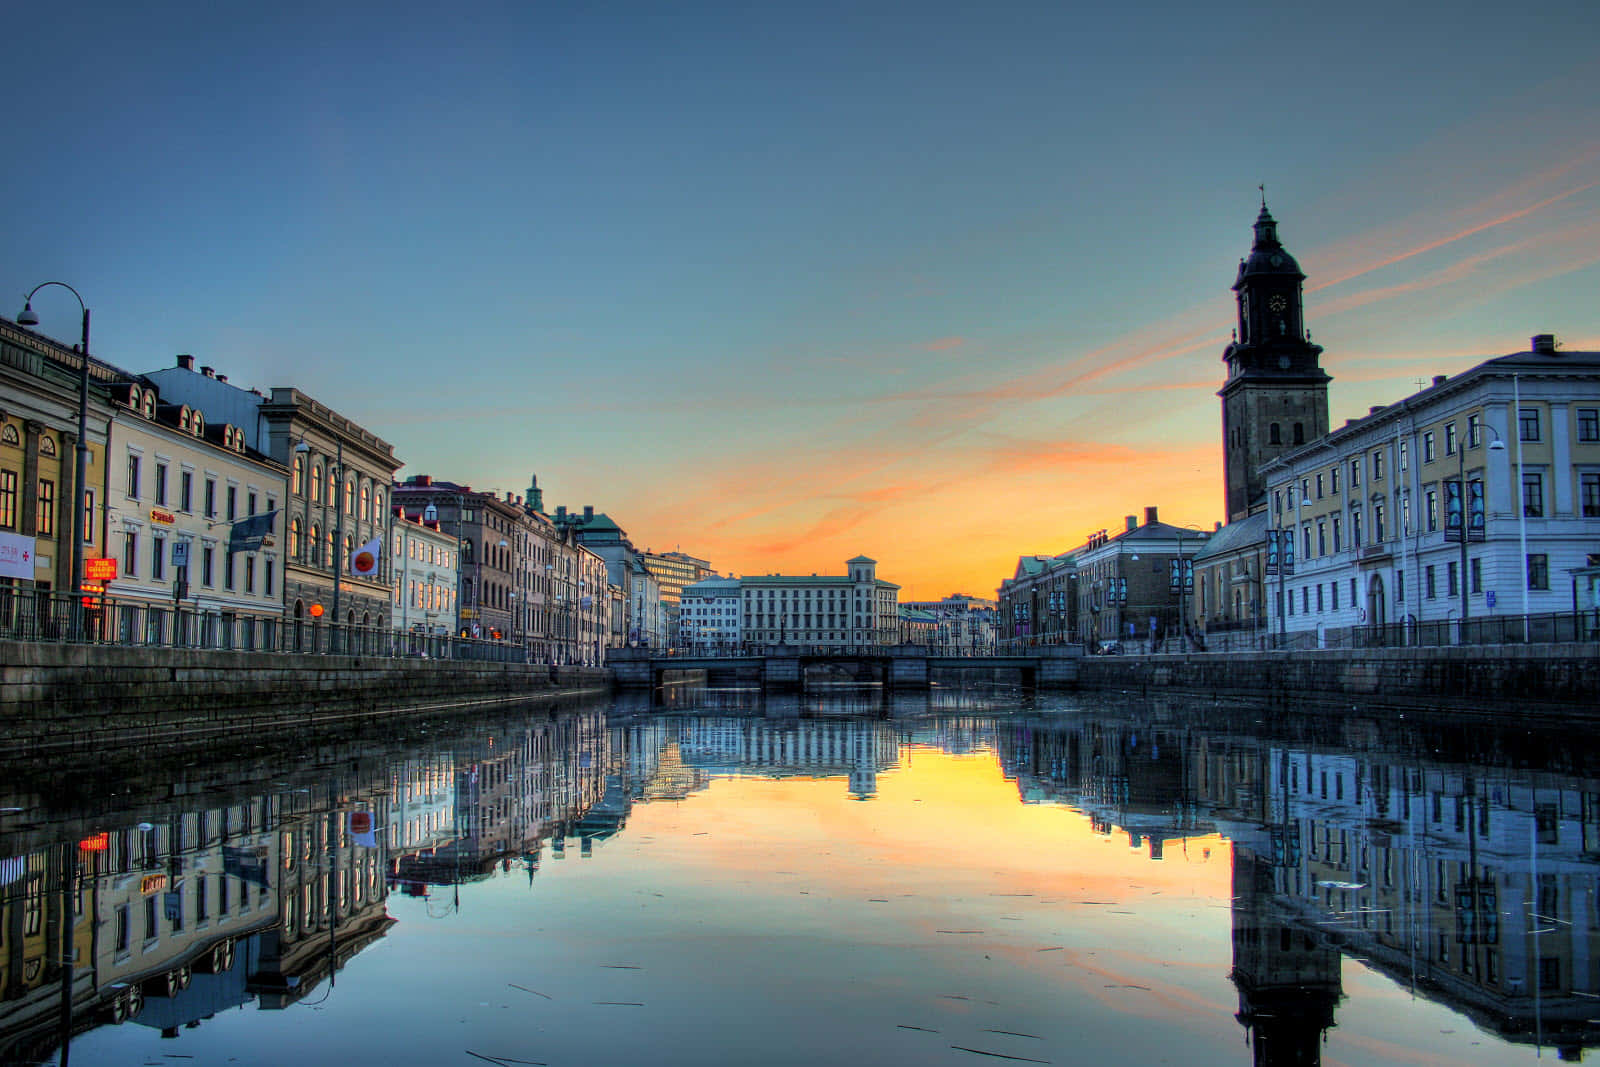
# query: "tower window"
[[1299, 433], [1274, 435]]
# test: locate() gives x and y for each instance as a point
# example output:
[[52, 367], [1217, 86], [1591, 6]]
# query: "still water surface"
[[964, 879]]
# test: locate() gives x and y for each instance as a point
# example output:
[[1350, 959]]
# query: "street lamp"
[[27, 317], [1462, 527], [338, 530]]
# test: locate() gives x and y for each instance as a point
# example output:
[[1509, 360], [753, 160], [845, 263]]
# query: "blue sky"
[[940, 283]]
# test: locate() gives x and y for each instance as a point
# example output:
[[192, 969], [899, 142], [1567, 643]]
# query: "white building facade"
[[857, 610], [1476, 499], [708, 616], [177, 488], [426, 575]]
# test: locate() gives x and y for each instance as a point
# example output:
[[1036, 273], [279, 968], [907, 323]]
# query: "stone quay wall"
[[1566, 675], [77, 698]]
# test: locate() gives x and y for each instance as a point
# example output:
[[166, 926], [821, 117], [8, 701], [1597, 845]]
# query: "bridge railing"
[[107, 620]]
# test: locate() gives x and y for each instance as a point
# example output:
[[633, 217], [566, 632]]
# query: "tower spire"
[[1263, 188]]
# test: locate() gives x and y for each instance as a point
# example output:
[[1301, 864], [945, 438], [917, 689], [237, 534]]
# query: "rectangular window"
[[1430, 508], [1589, 425], [1474, 431], [1588, 496], [1399, 587], [1319, 487], [208, 556], [1427, 447], [233, 502], [1430, 588], [45, 520], [1528, 424], [1305, 552], [227, 570], [1452, 576], [186, 491], [211, 498], [1449, 438], [1352, 592], [1475, 568], [1337, 544], [266, 579], [130, 554], [1333, 591], [1355, 474], [1533, 494], [1377, 465], [124, 928], [133, 477], [8, 500], [1333, 480], [1538, 571], [1305, 599], [158, 558], [1319, 596], [1377, 524], [1322, 537], [1355, 529], [161, 484], [88, 516]]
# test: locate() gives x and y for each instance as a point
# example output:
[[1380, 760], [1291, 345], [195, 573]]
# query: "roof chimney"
[[1149, 516], [186, 362], [1544, 344], [208, 372], [1440, 379], [423, 480], [1132, 522], [561, 511], [1374, 409], [222, 377], [588, 512]]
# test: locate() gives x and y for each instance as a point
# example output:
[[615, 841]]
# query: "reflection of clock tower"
[[1276, 396]]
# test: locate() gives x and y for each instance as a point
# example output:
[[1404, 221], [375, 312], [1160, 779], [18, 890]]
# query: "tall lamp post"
[[1462, 525], [27, 317], [338, 530]]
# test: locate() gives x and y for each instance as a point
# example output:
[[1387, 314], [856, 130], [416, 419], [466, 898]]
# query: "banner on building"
[[249, 533], [364, 560], [16, 556]]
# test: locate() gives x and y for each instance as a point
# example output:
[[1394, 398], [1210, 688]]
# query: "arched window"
[[333, 487], [1274, 435], [299, 475], [466, 552], [350, 497], [314, 545], [294, 538], [47, 446], [377, 504], [330, 548], [316, 483], [10, 436], [366, 502]]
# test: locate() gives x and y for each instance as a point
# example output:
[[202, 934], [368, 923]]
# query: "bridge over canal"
[[781, 667]]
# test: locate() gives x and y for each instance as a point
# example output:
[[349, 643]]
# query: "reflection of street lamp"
[[80, 520]]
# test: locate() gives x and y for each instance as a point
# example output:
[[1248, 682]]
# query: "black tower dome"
[[1267, 255]]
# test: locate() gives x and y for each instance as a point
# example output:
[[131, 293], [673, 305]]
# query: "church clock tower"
[[1276, 395]]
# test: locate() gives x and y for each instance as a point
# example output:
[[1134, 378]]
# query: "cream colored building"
[[852, 611], [1509, 451]]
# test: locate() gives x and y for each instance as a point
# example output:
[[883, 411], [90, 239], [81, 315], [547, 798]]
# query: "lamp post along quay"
[[28, 317]]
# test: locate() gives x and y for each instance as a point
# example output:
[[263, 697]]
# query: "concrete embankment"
[[66, 698], [1558, 676]]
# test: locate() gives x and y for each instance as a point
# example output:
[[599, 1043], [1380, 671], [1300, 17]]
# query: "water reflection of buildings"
[[1464, 878], [857, 749], [201, 906]]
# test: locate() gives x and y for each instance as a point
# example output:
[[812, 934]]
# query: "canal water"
[[965, 877]]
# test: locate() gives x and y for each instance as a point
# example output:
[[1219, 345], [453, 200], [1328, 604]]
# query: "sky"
[[780, 284]]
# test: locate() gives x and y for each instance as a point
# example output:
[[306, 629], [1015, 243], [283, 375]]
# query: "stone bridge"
[[781, 667]]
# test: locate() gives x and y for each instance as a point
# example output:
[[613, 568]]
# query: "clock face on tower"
[[1277, 302]]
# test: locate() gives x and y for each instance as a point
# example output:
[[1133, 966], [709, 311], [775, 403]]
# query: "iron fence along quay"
[[108, 620]]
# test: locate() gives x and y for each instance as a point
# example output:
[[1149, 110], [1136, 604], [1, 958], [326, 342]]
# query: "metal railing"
[[30, 615]]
